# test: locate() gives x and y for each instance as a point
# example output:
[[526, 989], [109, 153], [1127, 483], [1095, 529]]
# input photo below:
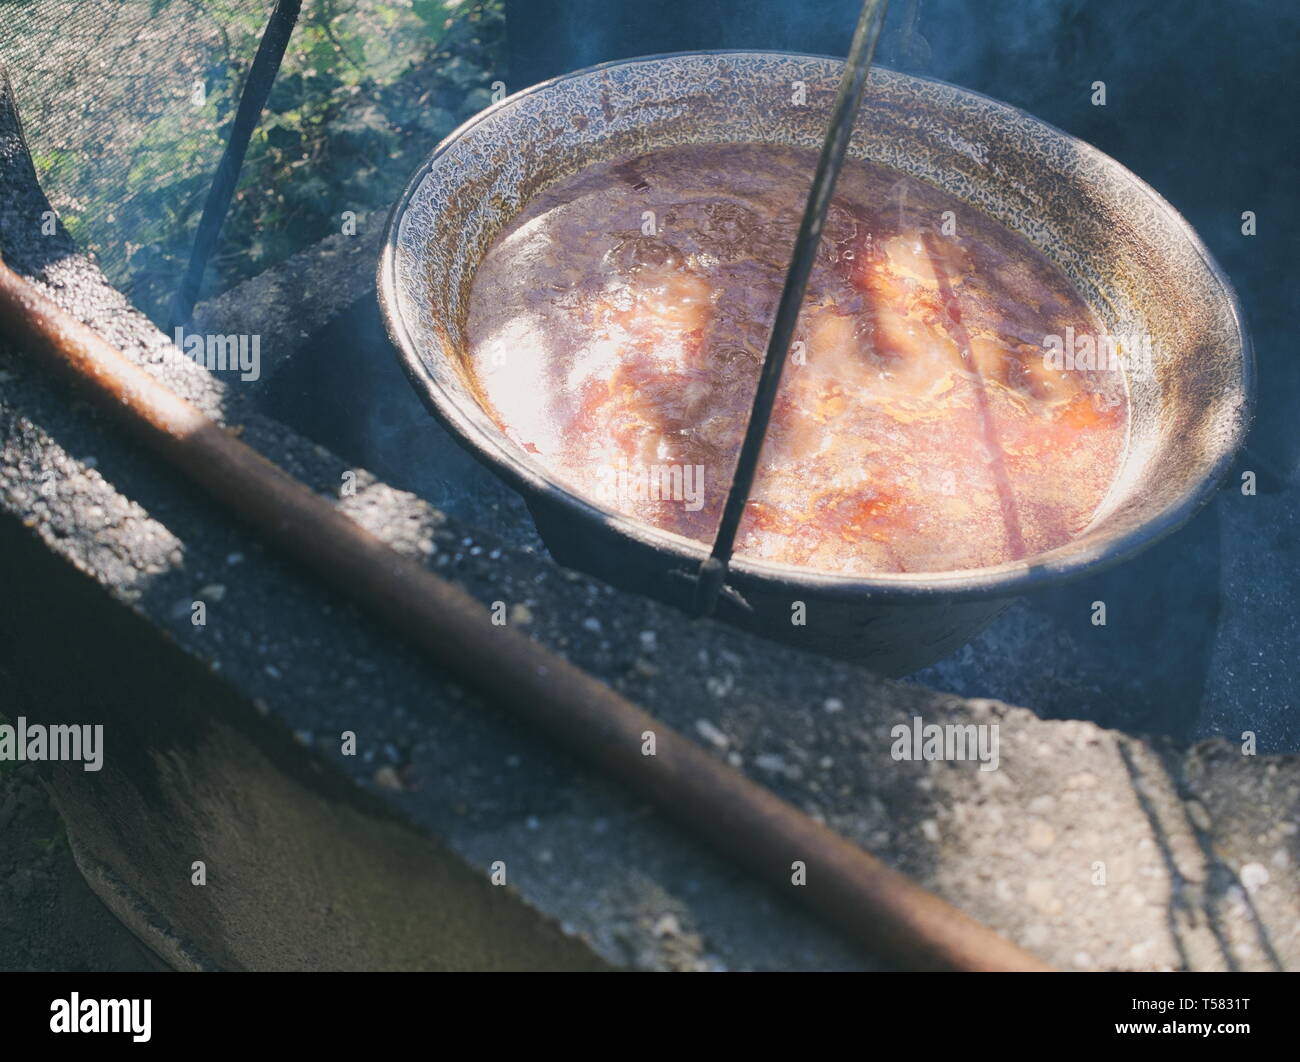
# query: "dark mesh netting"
[[128, 104]]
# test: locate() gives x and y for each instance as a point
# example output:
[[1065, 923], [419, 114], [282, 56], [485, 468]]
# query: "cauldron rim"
[[1006, 580]]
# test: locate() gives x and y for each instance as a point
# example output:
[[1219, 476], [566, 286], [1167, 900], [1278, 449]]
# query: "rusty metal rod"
[[864, 898]]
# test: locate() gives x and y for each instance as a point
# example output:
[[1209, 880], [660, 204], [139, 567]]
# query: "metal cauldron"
[[1129, 253]]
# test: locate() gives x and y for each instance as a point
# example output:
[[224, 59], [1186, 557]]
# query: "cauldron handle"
[[712, 574]]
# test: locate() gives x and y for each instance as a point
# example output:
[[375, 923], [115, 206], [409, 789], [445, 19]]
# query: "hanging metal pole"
[[713, 572], [252, 98]]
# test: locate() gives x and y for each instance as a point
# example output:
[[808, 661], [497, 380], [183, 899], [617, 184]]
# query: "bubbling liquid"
[[617, 327]]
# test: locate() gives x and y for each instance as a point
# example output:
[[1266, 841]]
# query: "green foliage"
[[366, 89], [432, 12]]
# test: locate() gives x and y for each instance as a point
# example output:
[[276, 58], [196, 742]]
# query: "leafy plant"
[[365, 90]]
